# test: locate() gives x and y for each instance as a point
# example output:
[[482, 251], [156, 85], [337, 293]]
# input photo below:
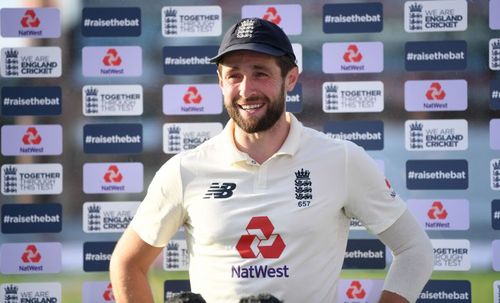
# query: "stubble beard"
[[251, 125]]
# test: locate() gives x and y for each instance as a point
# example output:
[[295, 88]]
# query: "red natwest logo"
[[31, 254], [260, 240], [355, 291], [192, 96], [435, 92], [272, 15], [112, 58], [108, 295], [113, 175], [437, 211], [352, 54], [32, 137], [30, 19]]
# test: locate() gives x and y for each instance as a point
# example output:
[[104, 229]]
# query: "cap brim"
[[256, 47]]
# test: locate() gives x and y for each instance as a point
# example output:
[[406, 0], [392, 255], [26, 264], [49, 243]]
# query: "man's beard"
[[274, 111]]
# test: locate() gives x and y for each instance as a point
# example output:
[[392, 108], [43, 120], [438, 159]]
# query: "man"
[[266, 204]]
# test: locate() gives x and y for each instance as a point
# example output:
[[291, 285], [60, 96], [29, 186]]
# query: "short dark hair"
[[286, 64]]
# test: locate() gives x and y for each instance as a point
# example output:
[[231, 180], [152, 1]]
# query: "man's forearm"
[[128, 268], [130, 285]]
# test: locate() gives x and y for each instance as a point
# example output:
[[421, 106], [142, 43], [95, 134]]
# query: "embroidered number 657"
[[303, 203]]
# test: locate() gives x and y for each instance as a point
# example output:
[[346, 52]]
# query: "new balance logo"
[[223, 191]]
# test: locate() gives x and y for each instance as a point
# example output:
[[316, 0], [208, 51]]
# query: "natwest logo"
[[192, 96], [435, 92], [30, 20], [108, 295], [111, 61], [112, 58], [353, 57], [260, 240], [272, 15], [192, 99], [352, 54], [113, 175], [37, 139], [437, 211], [356, 290], [31, 254], [39, 22], [436, 95], [32, 137], [30, 258]]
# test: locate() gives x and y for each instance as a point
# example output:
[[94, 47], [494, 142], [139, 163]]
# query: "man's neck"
[[262, 145]]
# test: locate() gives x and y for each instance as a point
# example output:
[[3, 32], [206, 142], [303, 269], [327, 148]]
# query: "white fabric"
[[413, 257], [344, 182]]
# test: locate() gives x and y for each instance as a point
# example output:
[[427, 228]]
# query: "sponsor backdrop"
[[96, 95]]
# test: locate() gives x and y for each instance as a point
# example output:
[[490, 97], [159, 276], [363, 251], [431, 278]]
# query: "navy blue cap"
[[256, 35]]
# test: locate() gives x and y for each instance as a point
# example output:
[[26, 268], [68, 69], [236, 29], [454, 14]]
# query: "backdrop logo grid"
[[30, 22], [30, 96]]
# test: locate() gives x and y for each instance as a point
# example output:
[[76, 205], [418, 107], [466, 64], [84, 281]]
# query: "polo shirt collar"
[[289, 147]]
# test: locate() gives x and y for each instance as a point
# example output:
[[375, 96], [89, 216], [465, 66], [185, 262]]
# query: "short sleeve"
[[161, 213], [370, 197]]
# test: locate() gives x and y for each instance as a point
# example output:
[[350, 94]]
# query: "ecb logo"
[[31, 62]]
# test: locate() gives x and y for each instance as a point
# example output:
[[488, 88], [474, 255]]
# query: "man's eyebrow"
[[261, 67], [255, 66]]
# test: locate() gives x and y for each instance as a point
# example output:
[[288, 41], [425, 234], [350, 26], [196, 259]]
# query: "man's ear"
[[291, 78]]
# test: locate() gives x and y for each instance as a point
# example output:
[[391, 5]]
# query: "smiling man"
[[266, 204]]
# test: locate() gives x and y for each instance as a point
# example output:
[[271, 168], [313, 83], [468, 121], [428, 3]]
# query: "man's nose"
[[247, 87]]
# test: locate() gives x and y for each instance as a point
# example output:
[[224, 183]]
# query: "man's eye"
[[234, 79]]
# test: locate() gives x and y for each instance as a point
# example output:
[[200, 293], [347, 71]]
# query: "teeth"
[[252, 106]]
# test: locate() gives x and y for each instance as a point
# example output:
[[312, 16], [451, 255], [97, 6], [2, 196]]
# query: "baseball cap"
[[256, 35]]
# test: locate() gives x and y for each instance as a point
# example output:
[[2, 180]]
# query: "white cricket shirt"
[[280, 227]]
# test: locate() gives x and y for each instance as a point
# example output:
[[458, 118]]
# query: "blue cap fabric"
[[257, 35]]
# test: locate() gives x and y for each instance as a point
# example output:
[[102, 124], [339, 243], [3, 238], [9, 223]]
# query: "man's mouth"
[[251, 106]]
